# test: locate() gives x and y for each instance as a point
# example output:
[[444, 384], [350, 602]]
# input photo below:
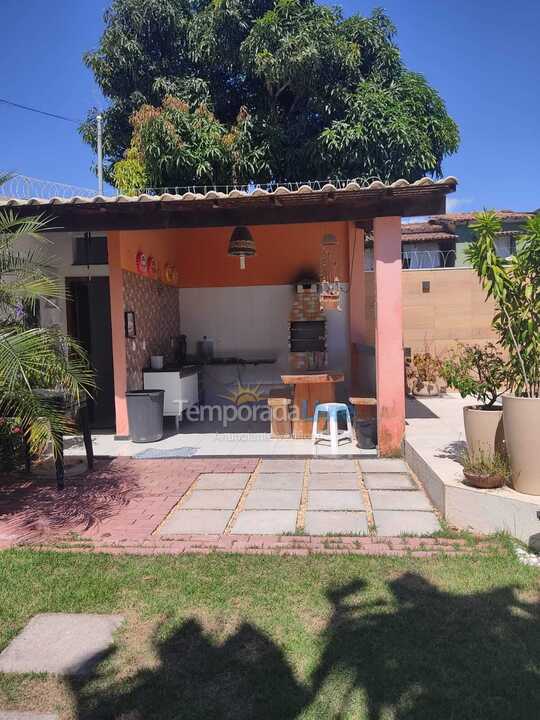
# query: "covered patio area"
[[229, 325]]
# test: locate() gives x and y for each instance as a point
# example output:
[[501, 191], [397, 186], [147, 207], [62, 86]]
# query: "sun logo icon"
[[244, 394]]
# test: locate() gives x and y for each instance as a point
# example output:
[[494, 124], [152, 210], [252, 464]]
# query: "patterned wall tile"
[[157, 320]]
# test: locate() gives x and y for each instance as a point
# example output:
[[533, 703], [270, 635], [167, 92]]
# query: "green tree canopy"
[[217, 91]]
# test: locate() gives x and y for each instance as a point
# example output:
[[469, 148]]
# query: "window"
[[505, 245], [90, 250]]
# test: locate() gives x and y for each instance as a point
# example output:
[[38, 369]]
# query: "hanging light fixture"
[[242, 244]]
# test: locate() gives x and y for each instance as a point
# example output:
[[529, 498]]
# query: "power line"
[[40, 112]]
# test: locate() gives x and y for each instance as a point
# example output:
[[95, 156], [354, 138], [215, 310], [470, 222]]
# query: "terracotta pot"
[[486, 482], [484, 431], [329, 302], [522, 431], [425, 389]]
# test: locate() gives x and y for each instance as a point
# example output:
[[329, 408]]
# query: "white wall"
[[57, 252], [339, 341], [253, 322]]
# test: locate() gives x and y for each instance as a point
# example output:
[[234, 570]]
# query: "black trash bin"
[[366, 433], [145, 415]]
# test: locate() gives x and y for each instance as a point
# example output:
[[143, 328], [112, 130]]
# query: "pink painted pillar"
[[389, 336], [116, 284]]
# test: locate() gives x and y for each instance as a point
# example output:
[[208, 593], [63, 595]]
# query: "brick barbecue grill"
[[307, 330]]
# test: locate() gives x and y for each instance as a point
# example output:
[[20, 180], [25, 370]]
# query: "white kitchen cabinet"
[[181, 390]]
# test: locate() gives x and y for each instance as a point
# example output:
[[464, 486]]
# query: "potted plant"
[[479, 372], [423, 375], [485, 471], [514, 285]]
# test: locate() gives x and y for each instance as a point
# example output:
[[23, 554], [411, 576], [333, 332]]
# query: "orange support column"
[[118, 334], [357, 292], [389, 336], [357, 301]]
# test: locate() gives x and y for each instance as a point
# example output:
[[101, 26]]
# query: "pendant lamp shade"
[[242, 242]]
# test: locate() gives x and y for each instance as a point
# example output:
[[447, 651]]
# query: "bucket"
[[366, 434]]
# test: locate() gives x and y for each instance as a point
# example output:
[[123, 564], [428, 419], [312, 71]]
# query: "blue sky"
[[482, 56]]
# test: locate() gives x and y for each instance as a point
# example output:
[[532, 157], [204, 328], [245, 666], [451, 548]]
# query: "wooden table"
[[310, 389]]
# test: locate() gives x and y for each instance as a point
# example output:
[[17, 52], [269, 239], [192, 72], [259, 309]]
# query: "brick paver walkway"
[[148, 507]]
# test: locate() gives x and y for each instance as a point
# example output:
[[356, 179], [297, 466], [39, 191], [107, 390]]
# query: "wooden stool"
[[279, 401]]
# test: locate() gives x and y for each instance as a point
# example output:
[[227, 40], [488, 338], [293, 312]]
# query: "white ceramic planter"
[[521, 418], [484, 431]]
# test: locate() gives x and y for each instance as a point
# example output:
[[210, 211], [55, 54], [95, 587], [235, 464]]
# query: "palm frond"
[[14, 227], [32, 360]]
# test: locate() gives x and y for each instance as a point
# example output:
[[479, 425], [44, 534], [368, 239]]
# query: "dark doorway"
[[89, 322]]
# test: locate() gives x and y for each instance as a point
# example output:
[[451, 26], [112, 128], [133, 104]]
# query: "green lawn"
[[269, 638]]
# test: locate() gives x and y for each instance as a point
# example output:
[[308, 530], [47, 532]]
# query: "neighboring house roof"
[[466, 217], [442, 228], [430, 231]]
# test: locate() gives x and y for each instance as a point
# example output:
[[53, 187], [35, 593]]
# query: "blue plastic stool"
[[332, 411]]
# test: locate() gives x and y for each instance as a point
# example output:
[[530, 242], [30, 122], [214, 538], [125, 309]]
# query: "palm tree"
[[34, 357]]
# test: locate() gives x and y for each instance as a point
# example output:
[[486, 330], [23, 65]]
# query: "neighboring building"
[[428, 245], [441, 242], [443, 302]]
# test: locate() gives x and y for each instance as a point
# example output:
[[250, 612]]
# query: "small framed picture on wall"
[[129, 324]]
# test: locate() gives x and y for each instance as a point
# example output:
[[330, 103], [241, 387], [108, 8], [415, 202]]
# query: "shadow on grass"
[[436, 655], [246, 677], [424, 654]]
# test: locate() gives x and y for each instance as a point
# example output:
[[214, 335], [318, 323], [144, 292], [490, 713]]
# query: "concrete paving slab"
[[333, 481], [60, 643], [332, 500], [20, 715], [393, 523], [273, 500], [282, 465], [212, 500], [386, 465], [335, 523], [222, 481], [399, 500], [196, 522], [389, 481], [265, 522], [332, 466], [279, 481]]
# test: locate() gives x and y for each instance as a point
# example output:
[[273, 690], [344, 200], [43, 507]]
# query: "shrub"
[[486, 465], [424, 369], [477, 371], [515, 287], [11, 444]]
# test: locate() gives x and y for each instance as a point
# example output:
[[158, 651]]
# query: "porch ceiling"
[[217, 209]]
